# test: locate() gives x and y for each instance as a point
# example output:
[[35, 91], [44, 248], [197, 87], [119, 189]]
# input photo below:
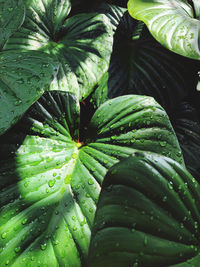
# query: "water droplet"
[[82, 223], [3, 235], [163, 143], [56, 242], [43, 246], [179, 154], [24, 221], [74, 155], [151, 218], [90, 210], [18, 102], [90, 181], [196, 225], [51, 182], [145, 241], [74, 228], [26, 184], [21, 81], [17, 249], [170, 185], [67, 179]]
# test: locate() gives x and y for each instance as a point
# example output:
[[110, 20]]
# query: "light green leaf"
[[81, 44], [173, 23], [140, 65], [147, 215], [23, 79], [51, 177], [12, 13]]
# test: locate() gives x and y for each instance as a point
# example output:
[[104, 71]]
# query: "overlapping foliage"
[[93, 171]]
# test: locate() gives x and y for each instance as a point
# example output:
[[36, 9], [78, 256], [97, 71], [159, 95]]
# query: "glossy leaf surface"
[[12, 13], [140, 65], [147, 215], [51, 182], [21, 83], [80, 44], [174, 23]]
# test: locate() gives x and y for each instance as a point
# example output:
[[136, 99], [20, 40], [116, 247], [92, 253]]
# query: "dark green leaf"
[[147, 215], [81, 44], [174, 23], [12, 13], [140, 65], [51, 181], [187, 127], [23, 79]]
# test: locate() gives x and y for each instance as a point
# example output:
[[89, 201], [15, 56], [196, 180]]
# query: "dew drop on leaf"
[[26, 184], [91, 210], [17, 249], [196, 225], [24, 221], [145, 241], [3, 235], [43, 246], [74, 155], [18, 102], [90, 182], [51, 182], [163, 143], [74, 228]]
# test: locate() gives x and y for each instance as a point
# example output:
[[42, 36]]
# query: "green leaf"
[[12, 13], [187, 128], [140, 65], [173, 23], [51, 180], [81, 44], [24, 77], [113, 12], [147, 215]]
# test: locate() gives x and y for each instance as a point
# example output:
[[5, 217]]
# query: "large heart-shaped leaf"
[[147, 215], [174, 23], [23, 79], [51, 181], [81, 44], [140, 65], [12, 13]]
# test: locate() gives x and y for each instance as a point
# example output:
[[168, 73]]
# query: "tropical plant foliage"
[[99, 133]]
